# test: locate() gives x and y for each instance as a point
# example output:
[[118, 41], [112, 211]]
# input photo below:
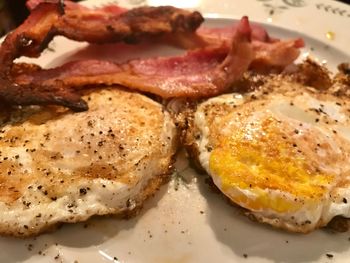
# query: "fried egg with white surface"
[[281, 152], [57, 166]]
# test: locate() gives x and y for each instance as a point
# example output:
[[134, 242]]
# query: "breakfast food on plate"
[[281, 150], [58, 167]]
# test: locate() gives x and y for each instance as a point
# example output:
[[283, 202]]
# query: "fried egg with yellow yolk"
[[281, 152]]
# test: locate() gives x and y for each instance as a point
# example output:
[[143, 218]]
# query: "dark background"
[[13, 12]]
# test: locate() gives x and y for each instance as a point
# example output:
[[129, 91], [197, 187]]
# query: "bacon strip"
[[269, 52], [108, 24], [102, 25], [204, 72], [200, 73]]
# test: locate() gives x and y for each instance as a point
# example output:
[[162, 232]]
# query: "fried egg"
[[57, 166], [281, 152]]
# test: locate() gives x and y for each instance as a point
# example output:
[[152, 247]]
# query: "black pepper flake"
[[245, 255], [329, 255], [30, 247], [90, 123], [345, 200], [115, 259], [82, 191]]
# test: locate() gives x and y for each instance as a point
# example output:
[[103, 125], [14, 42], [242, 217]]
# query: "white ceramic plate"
[[186, 221]]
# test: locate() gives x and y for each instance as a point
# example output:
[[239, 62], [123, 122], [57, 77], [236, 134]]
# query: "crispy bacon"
[[224, 54], [200, 73], [107, 24], [58, 94], [102, 25], [31, 37]]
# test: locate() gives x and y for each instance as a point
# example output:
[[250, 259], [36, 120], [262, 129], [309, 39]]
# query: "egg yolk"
[[262, 159]]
